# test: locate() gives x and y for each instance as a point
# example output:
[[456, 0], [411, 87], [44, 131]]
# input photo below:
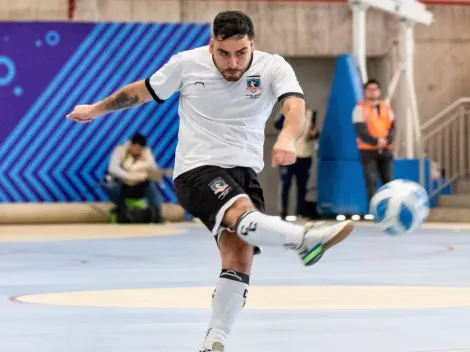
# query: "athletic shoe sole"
[[316, 253], [340, 236]]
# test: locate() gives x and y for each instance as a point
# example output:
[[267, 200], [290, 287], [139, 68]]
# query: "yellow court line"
[[267, 298], [40, 233]]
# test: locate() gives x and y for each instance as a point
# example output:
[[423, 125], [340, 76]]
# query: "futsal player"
[[228, 90]]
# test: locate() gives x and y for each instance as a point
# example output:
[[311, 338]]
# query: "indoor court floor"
[[111, 288]]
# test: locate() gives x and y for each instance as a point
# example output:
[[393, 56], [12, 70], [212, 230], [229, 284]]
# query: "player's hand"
[[283, 151], [381, 143], [83, 114]]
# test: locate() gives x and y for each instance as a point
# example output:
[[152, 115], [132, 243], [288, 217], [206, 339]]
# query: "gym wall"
[[51, 67]]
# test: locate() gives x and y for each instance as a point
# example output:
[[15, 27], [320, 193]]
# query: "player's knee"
[[236, 254], [232, 214]]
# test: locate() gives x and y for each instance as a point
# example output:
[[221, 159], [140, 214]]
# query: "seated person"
[[132, 170]]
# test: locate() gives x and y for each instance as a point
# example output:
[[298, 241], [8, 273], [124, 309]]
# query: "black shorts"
[[208, 191]]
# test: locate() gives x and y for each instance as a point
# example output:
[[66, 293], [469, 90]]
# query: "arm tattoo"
[[121, 101]]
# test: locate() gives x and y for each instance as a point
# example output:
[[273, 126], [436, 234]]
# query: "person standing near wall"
[[311, 197], [374, 124], [301, 168]]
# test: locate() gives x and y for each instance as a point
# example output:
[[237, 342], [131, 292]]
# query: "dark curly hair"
[[233, 24]]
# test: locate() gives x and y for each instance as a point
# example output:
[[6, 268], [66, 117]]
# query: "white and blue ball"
[[400, 206]]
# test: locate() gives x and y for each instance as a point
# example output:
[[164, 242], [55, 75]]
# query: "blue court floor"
[[152, 293]]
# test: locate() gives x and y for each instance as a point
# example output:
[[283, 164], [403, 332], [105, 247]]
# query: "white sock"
[[260, 229], [227, 302]]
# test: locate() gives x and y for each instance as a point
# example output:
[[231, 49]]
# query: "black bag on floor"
[[138, 216]]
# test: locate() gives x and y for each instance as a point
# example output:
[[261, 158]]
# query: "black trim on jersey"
[[288, 95], [152, 92]]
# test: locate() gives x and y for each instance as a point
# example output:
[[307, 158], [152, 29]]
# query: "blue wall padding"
[[341, 188], [338, 139]]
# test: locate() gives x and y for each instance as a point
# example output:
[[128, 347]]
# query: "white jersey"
[[222, 123]]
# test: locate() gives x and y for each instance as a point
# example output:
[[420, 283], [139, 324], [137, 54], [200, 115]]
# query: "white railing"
[[446, 143]]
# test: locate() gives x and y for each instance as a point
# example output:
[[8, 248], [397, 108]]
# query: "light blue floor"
[[367, 258]]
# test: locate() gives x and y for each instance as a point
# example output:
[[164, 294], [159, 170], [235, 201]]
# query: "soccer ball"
[[400, 206]]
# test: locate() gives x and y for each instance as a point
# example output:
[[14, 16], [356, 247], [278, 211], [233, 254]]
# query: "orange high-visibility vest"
[[377, 125]]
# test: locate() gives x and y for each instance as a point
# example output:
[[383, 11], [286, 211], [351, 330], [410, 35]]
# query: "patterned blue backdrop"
[[48, 68]]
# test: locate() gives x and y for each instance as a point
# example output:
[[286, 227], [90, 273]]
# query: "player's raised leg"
[[231, 289], [259, 229]]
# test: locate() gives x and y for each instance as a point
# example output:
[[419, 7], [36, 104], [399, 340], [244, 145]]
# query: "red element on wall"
[[71, 9]]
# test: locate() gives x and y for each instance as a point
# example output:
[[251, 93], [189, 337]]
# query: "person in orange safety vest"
[[374, 124]]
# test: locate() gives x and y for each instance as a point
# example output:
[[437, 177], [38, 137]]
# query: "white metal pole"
[[409, 74], [359, 36], [390, 94], [401, 101], [394, 83], [406, 100], [409, 135]]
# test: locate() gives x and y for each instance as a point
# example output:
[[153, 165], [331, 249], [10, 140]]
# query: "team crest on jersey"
[[253, 87]]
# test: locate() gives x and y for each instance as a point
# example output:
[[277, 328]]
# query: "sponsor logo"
[[245, 229]]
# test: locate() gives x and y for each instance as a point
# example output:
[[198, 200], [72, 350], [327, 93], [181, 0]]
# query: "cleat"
[[319, 238]]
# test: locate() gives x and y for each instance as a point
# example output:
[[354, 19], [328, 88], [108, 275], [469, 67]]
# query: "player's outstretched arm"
[[127, 97], [293, 109]]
